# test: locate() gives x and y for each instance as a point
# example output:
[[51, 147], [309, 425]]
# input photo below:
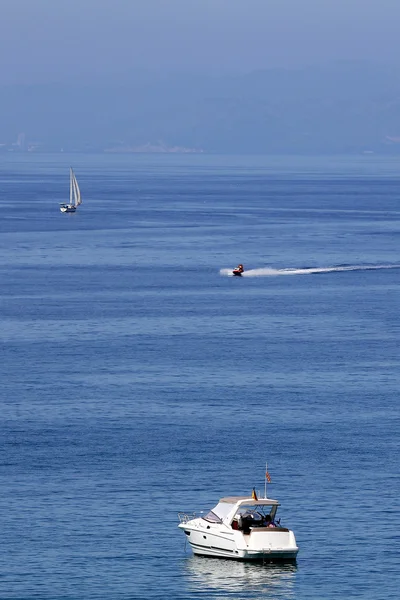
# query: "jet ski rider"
[[239, 269]]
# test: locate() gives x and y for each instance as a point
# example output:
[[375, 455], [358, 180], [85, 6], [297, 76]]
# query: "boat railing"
[[185, 517]]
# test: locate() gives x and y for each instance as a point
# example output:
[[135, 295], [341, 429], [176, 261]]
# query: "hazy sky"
[[78, 40]]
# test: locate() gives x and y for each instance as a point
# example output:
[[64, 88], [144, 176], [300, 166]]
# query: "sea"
[[139, 379]]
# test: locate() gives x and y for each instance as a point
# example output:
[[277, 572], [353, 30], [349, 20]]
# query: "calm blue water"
[[138, 381]]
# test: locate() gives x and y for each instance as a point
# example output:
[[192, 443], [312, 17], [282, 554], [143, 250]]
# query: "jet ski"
[[238, 271]]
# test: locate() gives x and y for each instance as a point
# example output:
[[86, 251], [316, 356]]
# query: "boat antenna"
[[267, 478]]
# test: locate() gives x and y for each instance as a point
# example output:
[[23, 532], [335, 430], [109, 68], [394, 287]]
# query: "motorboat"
[[242, 528]]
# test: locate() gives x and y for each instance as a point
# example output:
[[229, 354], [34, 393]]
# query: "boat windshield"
[[260, 509], [219, 512], [212, 517]]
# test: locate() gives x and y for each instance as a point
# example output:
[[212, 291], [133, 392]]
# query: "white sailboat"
[[74, 195]]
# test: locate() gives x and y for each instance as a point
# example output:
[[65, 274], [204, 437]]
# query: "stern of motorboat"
[[271, 542]]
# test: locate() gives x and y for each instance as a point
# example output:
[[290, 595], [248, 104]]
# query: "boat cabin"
[[242, 513]]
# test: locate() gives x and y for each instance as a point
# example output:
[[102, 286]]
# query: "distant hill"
[[343, 107]]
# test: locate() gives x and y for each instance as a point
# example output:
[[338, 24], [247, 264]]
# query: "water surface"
[[139, 381]]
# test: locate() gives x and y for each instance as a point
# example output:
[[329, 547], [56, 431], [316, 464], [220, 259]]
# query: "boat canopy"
[[227, 507], [248, 501]]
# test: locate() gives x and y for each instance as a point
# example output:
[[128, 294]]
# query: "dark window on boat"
[[212, 517], [187, 532]]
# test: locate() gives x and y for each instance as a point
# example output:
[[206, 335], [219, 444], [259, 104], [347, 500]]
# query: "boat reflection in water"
[[253, 580]]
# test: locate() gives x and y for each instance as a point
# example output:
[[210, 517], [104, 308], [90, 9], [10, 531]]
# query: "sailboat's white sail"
[[74, 191]]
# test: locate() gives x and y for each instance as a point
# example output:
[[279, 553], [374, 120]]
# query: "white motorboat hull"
[[261, 544]]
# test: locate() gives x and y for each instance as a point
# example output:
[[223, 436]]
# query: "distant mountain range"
[[343, 107]]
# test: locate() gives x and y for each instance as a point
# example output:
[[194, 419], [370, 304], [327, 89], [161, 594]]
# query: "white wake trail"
[[270, 272]]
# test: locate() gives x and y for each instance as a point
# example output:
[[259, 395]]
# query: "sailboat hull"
[[67, 208]]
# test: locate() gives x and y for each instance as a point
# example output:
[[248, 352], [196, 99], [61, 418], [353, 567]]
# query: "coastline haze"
[[211, 75]]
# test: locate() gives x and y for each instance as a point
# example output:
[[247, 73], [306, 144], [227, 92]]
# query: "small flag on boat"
[[268, 476], [254, 495]]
